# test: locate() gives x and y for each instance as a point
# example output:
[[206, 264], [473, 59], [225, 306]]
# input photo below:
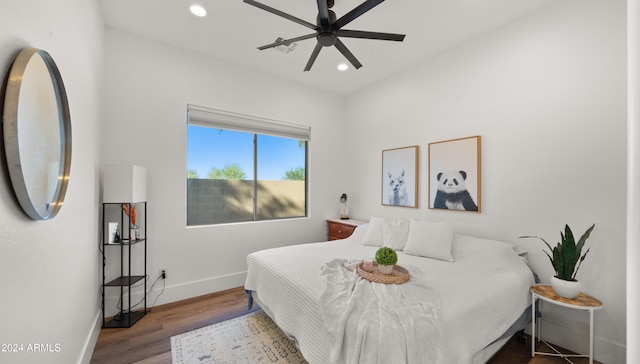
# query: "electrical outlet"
[[163, 273]]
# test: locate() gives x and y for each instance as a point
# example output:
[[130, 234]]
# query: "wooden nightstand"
[[341, 229], [581, 302]]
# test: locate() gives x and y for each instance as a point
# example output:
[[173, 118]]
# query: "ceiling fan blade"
[[313, 57], [350, 57], [370, 35], [282, 14], [323, 13], [356, 12], [287, 41]]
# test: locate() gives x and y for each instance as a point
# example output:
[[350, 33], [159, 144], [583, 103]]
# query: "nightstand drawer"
[[339, 231]]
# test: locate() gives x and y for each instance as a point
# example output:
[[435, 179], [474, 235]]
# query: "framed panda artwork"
[[454, 174], [400, 177]]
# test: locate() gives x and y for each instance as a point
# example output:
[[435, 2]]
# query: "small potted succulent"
[[566, 258], [386, 259]]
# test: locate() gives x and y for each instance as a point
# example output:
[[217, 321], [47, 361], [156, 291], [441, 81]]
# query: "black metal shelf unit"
[[125, 239]]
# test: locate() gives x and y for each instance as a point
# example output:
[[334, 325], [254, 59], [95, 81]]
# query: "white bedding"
[[379, 323], [482, 292]]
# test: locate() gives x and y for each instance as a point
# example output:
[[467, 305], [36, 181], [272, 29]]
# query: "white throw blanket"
[[380, 323]]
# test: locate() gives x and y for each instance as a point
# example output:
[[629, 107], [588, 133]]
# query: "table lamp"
[[344, 212]]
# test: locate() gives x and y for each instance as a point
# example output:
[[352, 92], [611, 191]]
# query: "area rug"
[[252, 338]]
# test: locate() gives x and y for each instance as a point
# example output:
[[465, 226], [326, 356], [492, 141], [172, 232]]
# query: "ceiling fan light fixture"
[[285, 47], [343, 67], [198, 10]]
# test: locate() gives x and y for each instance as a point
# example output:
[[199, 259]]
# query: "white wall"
[[49, 270], [633, 188], [148, 87], [547, 94]]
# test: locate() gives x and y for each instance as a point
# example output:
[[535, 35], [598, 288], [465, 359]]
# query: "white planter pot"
[[385, 269], [566, 289]]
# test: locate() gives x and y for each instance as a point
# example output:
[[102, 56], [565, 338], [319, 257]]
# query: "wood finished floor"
[[148, 341]]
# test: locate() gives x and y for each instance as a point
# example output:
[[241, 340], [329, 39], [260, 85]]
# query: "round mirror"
[[37, 133]]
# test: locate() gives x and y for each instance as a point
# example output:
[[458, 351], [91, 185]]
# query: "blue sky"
[[208, 147]]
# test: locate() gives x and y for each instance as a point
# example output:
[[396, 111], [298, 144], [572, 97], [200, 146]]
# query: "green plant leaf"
[[558, 261], [537, 237], [551, 260], [583, 240], [568, 253], [579, 263]]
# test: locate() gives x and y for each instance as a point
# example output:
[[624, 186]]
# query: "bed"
[[459, 307]]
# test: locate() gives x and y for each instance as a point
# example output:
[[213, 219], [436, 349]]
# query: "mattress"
[[482, 292]]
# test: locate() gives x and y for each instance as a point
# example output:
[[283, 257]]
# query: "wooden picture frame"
[[454, 174], [400, 177]]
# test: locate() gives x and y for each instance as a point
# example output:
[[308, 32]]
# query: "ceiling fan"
[[328, 29]]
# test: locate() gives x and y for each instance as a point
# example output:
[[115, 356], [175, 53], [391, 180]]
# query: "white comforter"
[[481, 293]]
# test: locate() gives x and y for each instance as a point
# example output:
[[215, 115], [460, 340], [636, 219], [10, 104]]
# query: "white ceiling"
[[232, 30]]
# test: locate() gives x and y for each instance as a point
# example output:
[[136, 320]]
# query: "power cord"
[[164, 284], [126, 291], [149, 292], [119, 317]]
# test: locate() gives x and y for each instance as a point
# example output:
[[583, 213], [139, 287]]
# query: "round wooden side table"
[[583, 302]]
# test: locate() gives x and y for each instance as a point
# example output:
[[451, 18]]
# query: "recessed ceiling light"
[[198, 10], [343, 67]]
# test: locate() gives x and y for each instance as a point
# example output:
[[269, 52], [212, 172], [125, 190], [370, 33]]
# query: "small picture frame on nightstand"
[[113, 236]]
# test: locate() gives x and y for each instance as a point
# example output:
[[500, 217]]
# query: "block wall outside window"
[[232, 200]]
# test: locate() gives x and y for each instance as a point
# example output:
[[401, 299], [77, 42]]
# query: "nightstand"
[[581, 302], [341, 229]]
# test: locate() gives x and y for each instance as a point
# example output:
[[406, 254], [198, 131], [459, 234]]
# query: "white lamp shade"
[[124, 183]]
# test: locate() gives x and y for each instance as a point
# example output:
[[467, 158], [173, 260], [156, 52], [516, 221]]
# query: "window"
[[243, 168]]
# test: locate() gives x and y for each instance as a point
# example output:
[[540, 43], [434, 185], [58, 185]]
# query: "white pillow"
[[395, 232], [373, 235], [430, 239]]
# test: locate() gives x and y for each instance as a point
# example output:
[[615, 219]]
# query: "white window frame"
[[226, 120]]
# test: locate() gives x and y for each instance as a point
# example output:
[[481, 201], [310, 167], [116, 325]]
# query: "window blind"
[[219, 119]]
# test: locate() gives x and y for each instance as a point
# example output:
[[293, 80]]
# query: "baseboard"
[[576, 340], [198, 288], [178, 292], [92, 339]]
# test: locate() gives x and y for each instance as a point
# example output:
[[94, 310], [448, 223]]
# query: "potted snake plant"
[[566, 258], [386, 259]]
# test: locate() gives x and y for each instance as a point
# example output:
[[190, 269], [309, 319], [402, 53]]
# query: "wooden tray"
[[399, 275]]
